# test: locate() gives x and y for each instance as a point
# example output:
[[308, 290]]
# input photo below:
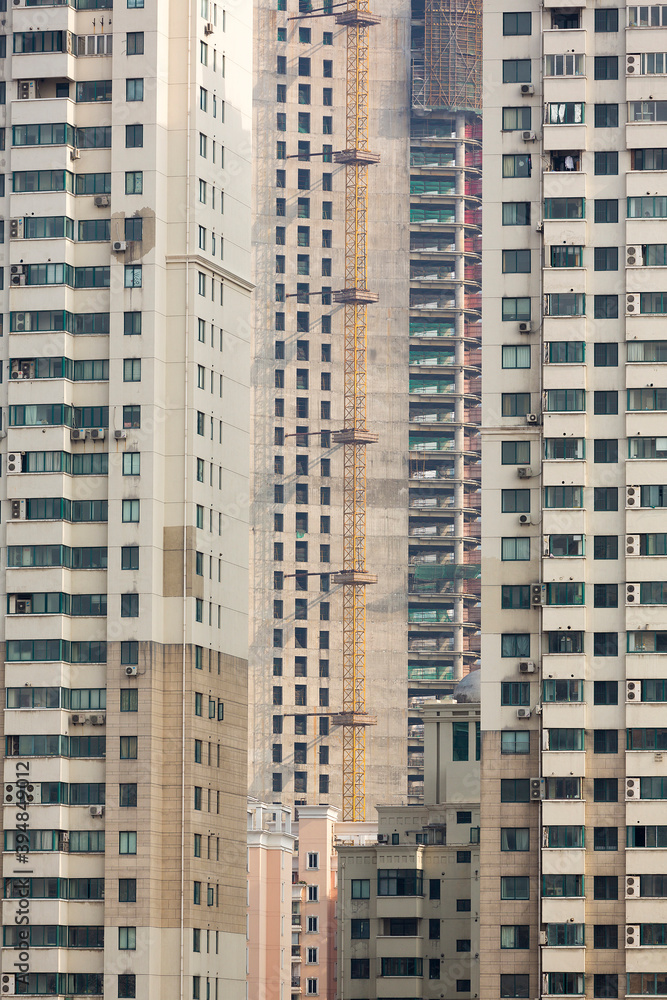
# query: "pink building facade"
[[269, 919]]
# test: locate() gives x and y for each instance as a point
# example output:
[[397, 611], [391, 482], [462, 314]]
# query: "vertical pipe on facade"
[[459, 413], [186, 375]]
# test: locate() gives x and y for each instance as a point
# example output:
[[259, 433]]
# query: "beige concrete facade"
[[125, 542], [572, 606], [408, 906]]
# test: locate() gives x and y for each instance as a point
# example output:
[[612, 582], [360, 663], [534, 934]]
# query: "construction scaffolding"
[[450, 76], [355, 436]]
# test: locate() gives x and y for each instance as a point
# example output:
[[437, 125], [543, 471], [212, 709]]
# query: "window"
[[361, 888], [565, 836], [605, 258], [605, 450], [605, 887], [566, 256], [606, 163], [517, 23], [565, 304], [606, 116], [516, 356], [127, 938], [132, 370], [514, 985], [565, 400], [606, 19], [516, 119], [514, 887], [514, 838], [134, 136], [127, 985], [606, 210], [515, 452], [515, 404], [515, 790], [605, 307], [605, 498], [133, 275], [605, 644], [516, 71], [605, 838], [515, 501], [605, 936], [516, 309], [564, 65], [134, 43], [562, 642], [606, 68], [134, 90], [127, 842], [398, 882], [516, 165], [515, 549], [516, 213], [515, 596], [515, 936], [562, 885], [460, 741], [359, 967], [605, 790], [605, 595], [563, 496]]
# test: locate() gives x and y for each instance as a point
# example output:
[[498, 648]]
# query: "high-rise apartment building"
[[422, 387], [573, 547], [126, 198]]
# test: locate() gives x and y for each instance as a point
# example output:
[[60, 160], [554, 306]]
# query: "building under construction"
[[384, 487]]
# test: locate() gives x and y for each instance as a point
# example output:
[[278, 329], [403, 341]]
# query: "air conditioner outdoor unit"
[[102, 200], [524, 472], [382, 838], [631, 304], [528, 136], [631, 64], [131, 671], [22, 322], [78, 719], [633, 496], [632, 788], [632, 545], [632, 887], [634, 256], [526, 327], [8, 979], [27, 90], [120, 435], [543, 937], [208, 28], [96, 810], [537, 788], [632, 593], [527, 89], [532, 418], [23, 606], [78, 434], [523, 713], [18, 269], [526, 667], [16, 229], [524, 519], [119, 246], [538, 594], [632, 938], [14, 462], [97, 433], [17, 375], [18, 510], [28, 369], [75, 154], [546, 545], [19, 793], [17, 279], [98, 720], [633, 690]]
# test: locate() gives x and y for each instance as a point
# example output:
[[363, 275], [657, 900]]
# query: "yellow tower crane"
[[355, 435]]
